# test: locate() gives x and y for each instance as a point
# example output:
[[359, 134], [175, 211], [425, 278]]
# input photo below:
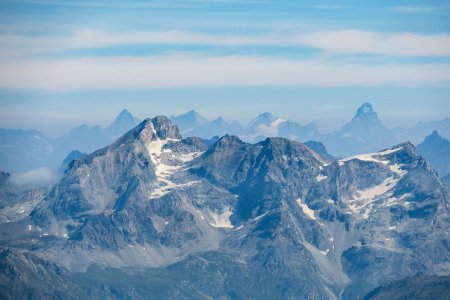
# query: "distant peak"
[[366, 112], [434, 137], [124, 115], [365, 109], [192, 113], [435, 134], [264, 118], [122, 123], [219, 120], [267, 115], [124, 112]]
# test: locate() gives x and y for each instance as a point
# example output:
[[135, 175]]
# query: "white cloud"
[[35, 177], [356, 41], [341, 41], [415, 9], [17, 45], [174, 71]]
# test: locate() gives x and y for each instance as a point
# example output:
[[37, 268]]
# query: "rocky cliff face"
[[238, 220]]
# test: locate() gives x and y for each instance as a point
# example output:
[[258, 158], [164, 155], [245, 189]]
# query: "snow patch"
[[164, 171], [396, 168], [306, 210], [364, 199], [201, 215], [222, 220], [373, 157], [260, 216], [321, 177], [240, 227], [190, 156], [325, 252]]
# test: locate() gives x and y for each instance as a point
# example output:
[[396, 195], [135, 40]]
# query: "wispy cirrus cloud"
[[410, 9], [178, 71], [357, 41], [339, 41]]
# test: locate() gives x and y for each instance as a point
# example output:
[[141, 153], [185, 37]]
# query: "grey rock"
[[417, 287], [74, 154], [320, 149], [236, 220]]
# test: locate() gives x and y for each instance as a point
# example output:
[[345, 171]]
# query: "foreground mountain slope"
[[418, 287], [184, 218]]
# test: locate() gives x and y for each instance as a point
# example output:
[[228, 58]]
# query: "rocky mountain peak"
[[165, 129], [228, 141], [366, 112], [159, 127], [403, 153]]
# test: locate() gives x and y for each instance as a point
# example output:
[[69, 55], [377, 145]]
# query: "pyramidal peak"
[[366, 112], [122, 123], [124, 117], [124, 113], [151, 129]]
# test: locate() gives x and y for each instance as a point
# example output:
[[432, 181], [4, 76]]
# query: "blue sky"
[[63, 63]]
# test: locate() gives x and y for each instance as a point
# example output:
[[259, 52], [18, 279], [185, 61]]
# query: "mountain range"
[[22, 151], [153, 215], [364, 133]]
